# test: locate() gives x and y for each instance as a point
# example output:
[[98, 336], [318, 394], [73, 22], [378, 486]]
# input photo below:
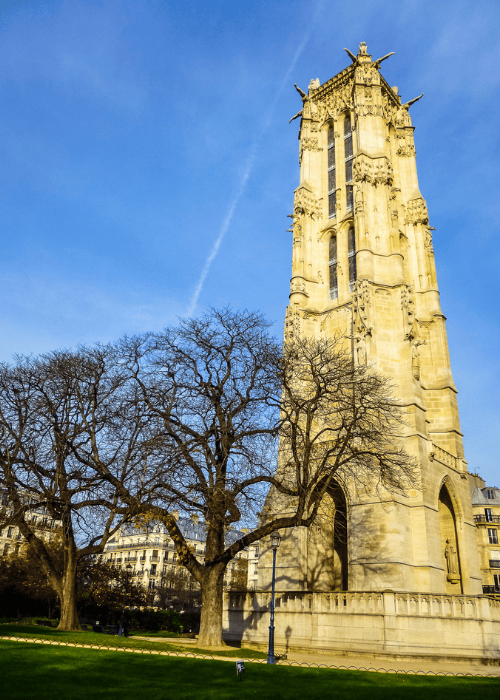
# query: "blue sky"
[[147, 165]]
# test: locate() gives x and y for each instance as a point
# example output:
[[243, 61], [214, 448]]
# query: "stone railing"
[[446, 458], [368, 603], [387, 622]]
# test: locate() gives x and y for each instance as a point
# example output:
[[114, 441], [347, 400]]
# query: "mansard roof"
[[479, 497]]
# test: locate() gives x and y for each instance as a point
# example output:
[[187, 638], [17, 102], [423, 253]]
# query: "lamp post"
[[275, 543], [121, 631]]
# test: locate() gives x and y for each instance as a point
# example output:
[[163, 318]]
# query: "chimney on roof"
[[175, 513], [195, 518], [475, 482]]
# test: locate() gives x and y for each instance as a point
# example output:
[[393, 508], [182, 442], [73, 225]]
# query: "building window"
[[348, 148], [9, 532], [334, 285], [256, 551], [496, 579], [332, 195], [490, 493], [349, 197], [488, 515], [351, 255], [492, 535], [151, 584]]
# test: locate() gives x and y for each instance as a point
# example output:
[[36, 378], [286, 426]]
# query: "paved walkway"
[[386, 664]]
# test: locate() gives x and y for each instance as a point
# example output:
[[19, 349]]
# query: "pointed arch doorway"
[[327, 550]]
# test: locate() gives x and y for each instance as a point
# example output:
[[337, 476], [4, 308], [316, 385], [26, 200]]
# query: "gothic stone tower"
[[363, 265]]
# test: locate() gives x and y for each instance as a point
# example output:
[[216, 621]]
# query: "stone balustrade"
[[446, 458], [369, 622]]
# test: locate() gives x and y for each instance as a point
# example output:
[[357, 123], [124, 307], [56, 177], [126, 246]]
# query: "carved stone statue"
[[451, 561], [361, 352], [415, 357]]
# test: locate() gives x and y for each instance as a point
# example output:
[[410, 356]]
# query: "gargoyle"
[[351, 56], [305, 98], [407, 105], [379, 60]]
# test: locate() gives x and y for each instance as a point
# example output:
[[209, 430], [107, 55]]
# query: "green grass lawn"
[[32, 671], [119, 642]]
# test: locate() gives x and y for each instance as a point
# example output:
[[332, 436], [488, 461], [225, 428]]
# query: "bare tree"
[[51, 409], [220, 393], [191, 418]]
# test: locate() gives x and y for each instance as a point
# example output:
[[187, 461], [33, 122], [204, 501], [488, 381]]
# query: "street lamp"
[[121, 631], [275, 543]]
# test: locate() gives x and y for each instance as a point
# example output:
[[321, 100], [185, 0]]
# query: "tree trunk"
[[211, 609], [69, 615]]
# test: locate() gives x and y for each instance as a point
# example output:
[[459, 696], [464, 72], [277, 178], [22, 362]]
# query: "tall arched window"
[[348, 155], [351, 256], [334, 285], [331, 173]]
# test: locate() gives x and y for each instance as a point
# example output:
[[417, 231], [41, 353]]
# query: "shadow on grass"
[[120, 642], [29, 671]]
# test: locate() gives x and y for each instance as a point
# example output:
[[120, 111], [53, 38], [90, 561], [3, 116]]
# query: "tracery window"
[[332, 195], [351, 257], [349, 197], [348, 147], [334, 285], [348, 156]]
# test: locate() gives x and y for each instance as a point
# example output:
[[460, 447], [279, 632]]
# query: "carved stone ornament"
[[406, 151], [408, 308], [298, 286], [292, 323], [358, 201], [377, 171], [416, 211], [335, 97], [308, 144], [306, 203], [428, 240], [362, 301]]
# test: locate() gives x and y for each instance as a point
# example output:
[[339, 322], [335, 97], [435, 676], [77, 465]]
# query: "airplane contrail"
[[249, 166]]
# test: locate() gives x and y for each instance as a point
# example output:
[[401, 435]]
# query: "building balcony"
[[494, 563], [491, 589], [485, 519], [130, 559]]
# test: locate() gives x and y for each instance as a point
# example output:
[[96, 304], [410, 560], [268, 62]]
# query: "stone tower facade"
[[363, 265]]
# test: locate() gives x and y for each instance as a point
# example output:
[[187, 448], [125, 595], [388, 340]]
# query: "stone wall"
[[409, 624]]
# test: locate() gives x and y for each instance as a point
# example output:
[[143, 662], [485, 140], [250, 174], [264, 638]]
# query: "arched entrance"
[[449, 543], [327, 559]]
